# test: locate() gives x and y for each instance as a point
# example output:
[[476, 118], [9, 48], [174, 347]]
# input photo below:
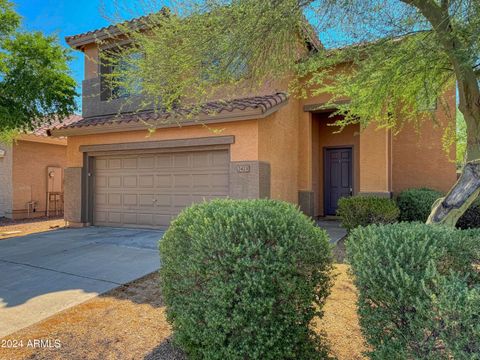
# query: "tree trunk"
[[449, 209], [466, 190]]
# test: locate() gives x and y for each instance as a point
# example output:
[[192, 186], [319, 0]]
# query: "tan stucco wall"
[[375, 160], [325, 135], [418, 158], [30, 162], [291, 141], [307, 177], [278, 145], [91, 61], [6, 181], [244, 148]]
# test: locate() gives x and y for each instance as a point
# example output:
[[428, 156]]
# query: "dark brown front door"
[[338, 177]]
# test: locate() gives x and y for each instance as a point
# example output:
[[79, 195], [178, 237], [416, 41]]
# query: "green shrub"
[[365, 210], [416, 204], [419, 290], [243, 279], [471, 218]]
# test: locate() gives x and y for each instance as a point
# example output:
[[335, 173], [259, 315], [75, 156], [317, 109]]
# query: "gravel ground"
[[339, 251], [13, 228], [129, 323]]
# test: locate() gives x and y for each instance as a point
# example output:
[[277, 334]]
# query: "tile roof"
[[45, 128], [261, 103], [75, 41], [78, 40]]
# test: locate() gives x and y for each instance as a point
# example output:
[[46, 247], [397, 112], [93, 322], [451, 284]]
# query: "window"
[[115, 83]]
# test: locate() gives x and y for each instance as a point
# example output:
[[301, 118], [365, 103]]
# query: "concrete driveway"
[[44, 273]]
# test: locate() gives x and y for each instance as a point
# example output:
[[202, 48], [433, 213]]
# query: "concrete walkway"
[[334, 229], [42, 274]]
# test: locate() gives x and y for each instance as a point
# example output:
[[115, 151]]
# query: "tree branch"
[[445, 4], [476, 70]]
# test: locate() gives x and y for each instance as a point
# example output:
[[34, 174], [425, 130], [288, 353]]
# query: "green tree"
[[35, 81], [461, 140], [399, 57]]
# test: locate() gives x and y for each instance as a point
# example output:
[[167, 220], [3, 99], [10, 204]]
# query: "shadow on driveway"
[[45, 273]]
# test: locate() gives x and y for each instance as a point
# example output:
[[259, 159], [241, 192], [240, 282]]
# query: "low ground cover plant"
[[243, 279], [419, 290], [365, 210]]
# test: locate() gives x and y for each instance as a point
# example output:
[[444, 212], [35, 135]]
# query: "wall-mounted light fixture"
[[2, 153]]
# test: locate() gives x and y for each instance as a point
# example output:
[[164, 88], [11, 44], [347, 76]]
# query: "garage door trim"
[[174, 144], [88, 185]]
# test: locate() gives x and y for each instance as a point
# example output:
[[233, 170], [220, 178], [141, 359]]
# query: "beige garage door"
[[149, 190]]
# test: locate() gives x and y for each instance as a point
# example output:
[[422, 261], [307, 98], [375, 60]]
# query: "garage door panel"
[[145, 219], [100, 199], [150, 190], [130, 218], [220, 182], [181, 160], [114, 217], [182, 200], [114, 199], [161, 220], [114, 181], [164, 161], [146, 200], [145, 181], [114, 164], [220, 159], [130, 181], [146, 162], [100, 216], [182, 181], [164, 200], [101, 181], [130, 200], [201, 160], [164, 181], [101, 164], [129, 163]]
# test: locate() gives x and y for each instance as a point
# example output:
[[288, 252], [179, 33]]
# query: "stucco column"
[[73, 196], [249, 179], [375, 161], [6, 186]]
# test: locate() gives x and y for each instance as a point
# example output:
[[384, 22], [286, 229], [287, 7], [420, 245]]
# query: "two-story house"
[[271, 145]]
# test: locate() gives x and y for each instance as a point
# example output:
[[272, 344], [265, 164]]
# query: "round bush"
[[365, 210], [243, 279], [416, 204], [418, 288]]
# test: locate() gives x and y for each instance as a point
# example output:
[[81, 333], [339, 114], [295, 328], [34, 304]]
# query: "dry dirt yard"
[[12, 228], [129, 323]]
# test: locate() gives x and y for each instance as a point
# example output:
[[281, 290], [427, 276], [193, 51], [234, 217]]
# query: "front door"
[[338, 177]]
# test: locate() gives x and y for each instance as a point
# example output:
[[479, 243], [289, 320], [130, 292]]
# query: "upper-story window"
[[117, 80]]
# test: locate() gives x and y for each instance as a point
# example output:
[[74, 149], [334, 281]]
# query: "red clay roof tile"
[[262, 103]]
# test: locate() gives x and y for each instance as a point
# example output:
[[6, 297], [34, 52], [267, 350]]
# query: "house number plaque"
[[243, 168]]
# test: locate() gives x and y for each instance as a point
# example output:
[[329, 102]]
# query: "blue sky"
[[68, 17]]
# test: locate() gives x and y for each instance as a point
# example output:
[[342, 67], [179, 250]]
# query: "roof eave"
[[203, 119], [42, 139]]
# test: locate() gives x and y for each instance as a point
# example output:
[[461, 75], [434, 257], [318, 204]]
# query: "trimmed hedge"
[[243, 279], [419, 291], [365, 210], [416, 204]]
